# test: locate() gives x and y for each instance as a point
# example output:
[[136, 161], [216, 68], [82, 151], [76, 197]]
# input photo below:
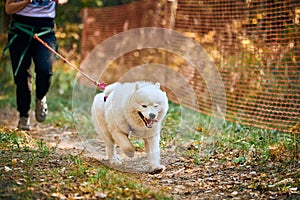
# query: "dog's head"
[[148, 104]]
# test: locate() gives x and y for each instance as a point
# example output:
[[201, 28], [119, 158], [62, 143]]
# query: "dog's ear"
[[157, 85]]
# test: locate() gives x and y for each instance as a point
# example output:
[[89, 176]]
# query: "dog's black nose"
[[152, 116]]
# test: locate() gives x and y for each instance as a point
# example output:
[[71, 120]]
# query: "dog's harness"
[[29, 30]]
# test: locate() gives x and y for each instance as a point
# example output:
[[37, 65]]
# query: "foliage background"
[[247, 160]]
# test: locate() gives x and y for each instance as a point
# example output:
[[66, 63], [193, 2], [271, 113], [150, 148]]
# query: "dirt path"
[[215, 177], [61, 138]]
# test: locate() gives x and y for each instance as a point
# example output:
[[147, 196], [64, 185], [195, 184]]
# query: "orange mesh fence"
[[255, 46]]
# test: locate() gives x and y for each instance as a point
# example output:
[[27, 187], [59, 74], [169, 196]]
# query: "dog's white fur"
[[117, 113]]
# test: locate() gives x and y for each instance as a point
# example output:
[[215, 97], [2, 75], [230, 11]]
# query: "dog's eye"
[[155, 106], [144, 106]]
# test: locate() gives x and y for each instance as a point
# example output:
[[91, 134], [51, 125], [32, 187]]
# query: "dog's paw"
[[157, 169], [115, 161], [129, 152]]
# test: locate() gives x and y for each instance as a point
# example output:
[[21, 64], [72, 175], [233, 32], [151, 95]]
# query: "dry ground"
[[215, 177]]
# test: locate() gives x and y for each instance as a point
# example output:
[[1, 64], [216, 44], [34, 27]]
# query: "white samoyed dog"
[[130, 109]]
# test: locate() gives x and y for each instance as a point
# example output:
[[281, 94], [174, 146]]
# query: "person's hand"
[[61, 1]]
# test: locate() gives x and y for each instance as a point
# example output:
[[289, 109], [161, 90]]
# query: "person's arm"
[[13, 6]]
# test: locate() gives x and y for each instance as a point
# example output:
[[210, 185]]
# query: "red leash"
[[100, 85]]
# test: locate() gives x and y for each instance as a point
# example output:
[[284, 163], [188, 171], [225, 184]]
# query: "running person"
[[27, 17]]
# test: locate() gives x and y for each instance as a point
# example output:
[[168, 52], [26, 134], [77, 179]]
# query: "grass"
[[205, 139], [31, 170], [247, 144]]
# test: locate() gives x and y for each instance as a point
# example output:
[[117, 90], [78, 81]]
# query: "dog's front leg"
[[123, 142], [153, 152], [112, 154]]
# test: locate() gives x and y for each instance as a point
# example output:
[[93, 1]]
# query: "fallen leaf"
[[14, 161], [59, 195], [7, 169]]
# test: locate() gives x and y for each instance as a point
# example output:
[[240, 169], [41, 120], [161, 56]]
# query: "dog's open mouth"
[[148, 122]]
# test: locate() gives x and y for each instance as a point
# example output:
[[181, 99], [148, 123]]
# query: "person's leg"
[[23, 77], [43, 60]]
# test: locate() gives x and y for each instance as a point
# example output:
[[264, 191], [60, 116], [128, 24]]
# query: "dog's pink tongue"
[[150, 122]]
